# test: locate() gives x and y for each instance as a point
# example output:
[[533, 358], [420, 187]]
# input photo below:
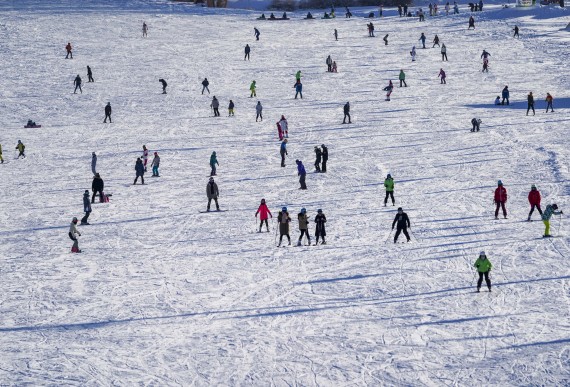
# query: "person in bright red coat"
[[263, 212], [500, 199], [534, 200]]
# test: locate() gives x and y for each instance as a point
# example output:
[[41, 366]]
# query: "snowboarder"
[[505, 95], [284, 127], [72, 232], [483, 266], [164, 84], [549, 100], [325, 158], [442, 76], [530, 100], [389, 185], [303, 227], [20, 147], [283, 219], [413, 53], [435, 41], [403, 222], [205, 85], [215, 105], [402, 78], [263, 212], [471, 22], [516, 34], [443, 52], [97, 186], [335, 34], [155, 164], [320, 231], [548, 212], [86, 208], [534, 201], [329, 64], [108, 113], [500, 199], [256, 33], [302, 174], [476, 122], [212, 193], [298, 89], [247, 50], [77, 84], [385, 39], [68, 49], [231, 107], [258, 111], [388, 89], [346, 113], [93, 163], [144, 29], [139, 170], [283, 151], [213, 163], [252, 88], [145, 156], [319, 156], [423, 40]]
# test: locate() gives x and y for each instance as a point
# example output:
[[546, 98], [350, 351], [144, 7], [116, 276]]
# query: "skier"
[[370, 29], [144, 29], [212, 193], [505, 95], [93, 163], [231, 107], [402, 78], [530, 100], [483, 266], [97, 187], [21, 147], [480, 5], [400, 10], [139, 169], [205, 85], [500, 199], [145, 156], [256, 33], [423, 40], [320, 231], [389, 185], [258, 111], [346, 113], [164, 84], [302, 174], [283, 151], [86, 208], [77, 84], [534, 201], [155, 164], [263, 211], [443, 52], [498, 100], [213, 163], [548, 212], [90, 74], [283, 219], [471, 23], [335, 34], [476, 122], [388, 89], [108, 113], [413, 53], [247, 50], [325, 158], [334, 69], [385, 39], [284, 127], [319, 155], [403, 222], [72, 231], [435, 41], [516, 34], [455, 7], [298, 89], [1, 159], [252, 88], [485, 65], [442, 75], [329, 64], [68, 49], [549, 100], [215, 105], [303, 226]]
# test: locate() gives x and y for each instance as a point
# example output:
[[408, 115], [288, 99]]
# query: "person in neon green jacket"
[[484, 267], [252, 88], [546, 215], [389, 185]]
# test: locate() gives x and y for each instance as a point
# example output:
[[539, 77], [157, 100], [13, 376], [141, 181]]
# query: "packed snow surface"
[[165, 295]]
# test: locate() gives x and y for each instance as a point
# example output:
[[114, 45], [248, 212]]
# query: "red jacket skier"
[[534, 201], [263, 212], [500, 199]]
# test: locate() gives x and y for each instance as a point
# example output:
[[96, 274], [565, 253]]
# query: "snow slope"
[[164, 295]]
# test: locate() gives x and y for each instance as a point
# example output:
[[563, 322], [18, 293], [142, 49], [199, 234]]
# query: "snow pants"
[[444, 56], [155, 170], [503, 101], [317, 165], [282, 158], [532, 209], [258, 115], [530, 106], [213, 172], [546, 227], [298, 93], [302, 181], [501, 205], [77, 87], [261, 224], [210, 201], [90, 78], [344, 119], [549, 105], [281, 238], [69, 53], [100, 196], [216, 112], [391, 195], [246, 56], [399, 230], [75, 246], [487, 280], [404, 82], [205, 88], [324, 165], [107, 116], [84, 219], [136, 178]]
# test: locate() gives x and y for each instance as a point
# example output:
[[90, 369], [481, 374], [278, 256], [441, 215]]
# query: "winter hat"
[[303, 210], [156, 153], [211, 179], [555, 206], [499, 182], [262, 201], [482, 254], [284, 209], [533, 186], [400, 209], [74, 220], [86, 193], [320, 211], [389, 176], [282, 117]]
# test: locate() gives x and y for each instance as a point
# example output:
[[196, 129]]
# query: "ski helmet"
[[400, 209], [284, 209], [500, 182], [482, 254], [320, 211], [555, 206], [303, 210]]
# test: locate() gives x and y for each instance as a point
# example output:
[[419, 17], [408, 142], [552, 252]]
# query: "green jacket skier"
[[389, 185], [483, 266], [402, 78]]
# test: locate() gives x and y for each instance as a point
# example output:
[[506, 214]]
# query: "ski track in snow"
[[164, 295]]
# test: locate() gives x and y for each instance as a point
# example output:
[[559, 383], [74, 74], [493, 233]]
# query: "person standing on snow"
[[389, 185], [476, 122], [549, 100], [302, 174], [442, 75], [403, 222], [320, 231], [108, 113], [155, 164], [145, 156], [516, 34], [205, 84], [252, 88], [258, 111], [413, 53], [530, 100], [388, 89], [283, 151], [485, 65], [548, 212], [505, 95], [402, 78], [139, 170], [86, 208], [21, 148], [385, 39], [213, 163], [471, 22], [90, 75], [346, 113], [303, 227], [325, 158], [144, 29], [231, 107], [256, 33], [68, 49], [77, 84], [97, 187], [443, 52], [423, 40], [435, 41], [212, 193], [298, 89], [319, 155], [1, 159], [500, 199], [534, 201], [284, 126], [263, 212], [329, 64], [484, 267], [72, 232], [247, 51], [335, 34], [284, 219], [164, 84], [216, 106]]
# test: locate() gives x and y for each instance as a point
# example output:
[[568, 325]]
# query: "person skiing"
[[500, 199], [144, 29], [139, 169], [263, 212], [548, 212], [258, 111], [442, 76], [484, 267], [498, 100], [20, 147], [256, 33], [284, 219], [402, 78], [1, 159], [389, 185], [443, 52], [68, 49], [435, 41], [213, 163], [329, 64], [534, 201], [423, 40], [155, 164], [247, 50], [90, 75], [164, 84], [212, 193], [530, 100], [476, 122], [108, 113], [72, 232], [388, 89], [346, 113], [485, 65], [303, 226], [145, 156], [93, 163], [205, 84], [302, 174], [77, 84], [413, 53], [231, 107], [252, 88], [325, 158], [97, 186], [549, 100], [215, 105], [505, 95], [335, 35], [319, 156], [402, 222], [471, 22], [86, 208], [385, 39], [320, 231], [516, 34], [298, 89], [283, 151]]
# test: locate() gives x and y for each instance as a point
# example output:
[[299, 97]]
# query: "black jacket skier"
[[319, 155], [320, 231], [164, 84], [77, 83], [346, 113], [247, 50], [325, 158], [403, 222], [97, 186], [205, 85], [89, 75], [108, 113]]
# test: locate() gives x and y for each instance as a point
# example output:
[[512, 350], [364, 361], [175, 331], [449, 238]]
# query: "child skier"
[[252, 88], [534, 201], [403, 222], [500, 199], [283, 219], [213, 163], [320, 231], [86, 208], [231, 107], [484, 267], [155, 164], [263, 212], [303, 226], [389, 185], [72, 232]]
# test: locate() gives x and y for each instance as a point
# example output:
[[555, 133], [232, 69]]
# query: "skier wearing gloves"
[[500, 199], [320, 231], [403, 223], [389, 185], [86, 208], [548, 212], [303, 226], [77, 83], [258, 111], [213, 163], [534, 201], [139, 169], [155, 164], [484, 267], [325, 158], [302, 174], [402, 78], [319, 155], [216, 106], [263, 212], [283, 151], [212, 193], [21, 148], [388, 89], [284, 219], [72, 232]]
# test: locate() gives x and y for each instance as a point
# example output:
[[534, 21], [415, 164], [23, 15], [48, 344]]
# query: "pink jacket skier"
[[264, 213]]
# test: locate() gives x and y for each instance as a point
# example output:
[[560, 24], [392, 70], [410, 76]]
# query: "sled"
[[104, 198]]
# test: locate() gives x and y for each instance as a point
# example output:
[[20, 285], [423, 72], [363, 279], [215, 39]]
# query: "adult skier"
[[155, 164], [263, 212], [139, 170], [423, 40], [500, 199], [108, 112], [72, 232], [93, 163], [534, 201], [435, 41], [213, 163], [258, 111], [402, 222], [388, 89], [256, 33], [402, 78], [505, 95], [298, 86], [68, 49], [442, 76], [389, 185], [284, 126], [90, 75], [284, 219], [548, 212], [385, 39], [252, 88], [97, 187], [549, 100], [164, 84], [516, 34], [443, 52], [231, 107], [346, 113], [329, 63], [216, 106], [335, 34], [86, 208], [205, 84], [247, 51], [283, 151], [413, 53], [319, 155], [212, 193], [471, 22], [320, 231], [144, 29], [530, 100], [303, 226], [325, 158], [302, 174], [77, 84], [20, 147], [484, 267], [476, 122]]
